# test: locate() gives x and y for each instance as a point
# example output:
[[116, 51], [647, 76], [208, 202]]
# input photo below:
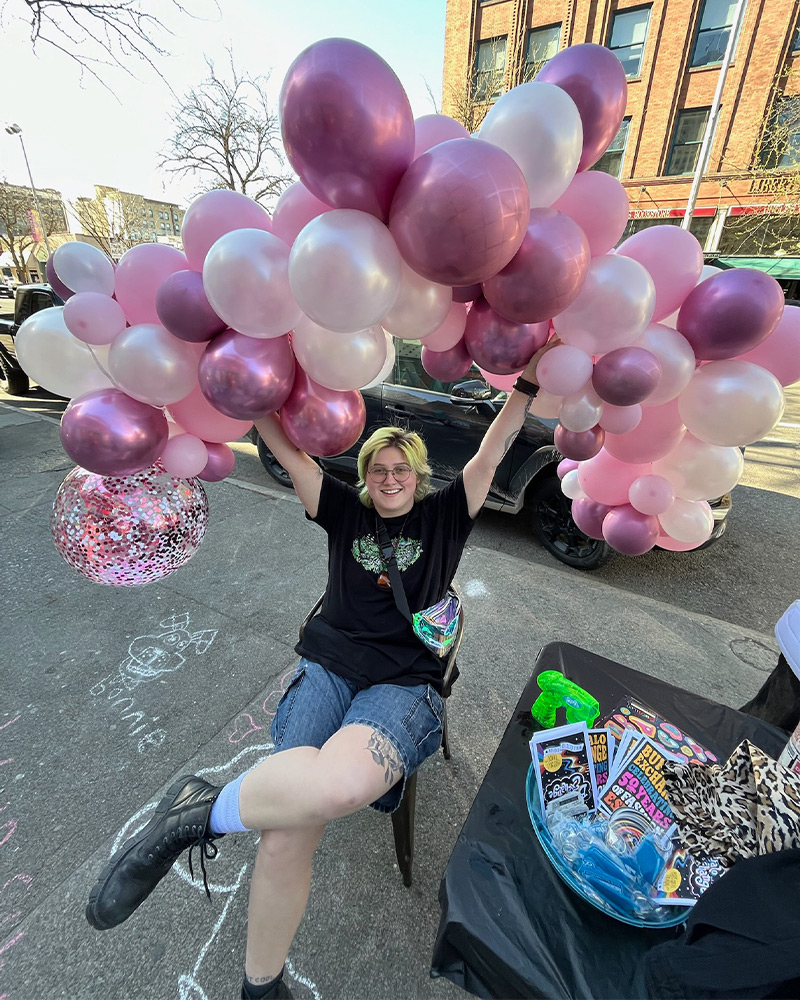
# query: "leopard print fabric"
[[750, 805]]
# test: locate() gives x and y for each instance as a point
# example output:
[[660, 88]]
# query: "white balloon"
[[676, 357], [388, 365], [700, 471], [581, 410], [689, 521], [151, 365], [570, 486], [84, 268], [56, 360], [339, 361]]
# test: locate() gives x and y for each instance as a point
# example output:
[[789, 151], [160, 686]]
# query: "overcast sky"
[[77, 134]]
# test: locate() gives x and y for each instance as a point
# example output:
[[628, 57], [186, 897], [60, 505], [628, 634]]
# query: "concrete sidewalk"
[[87, 744]]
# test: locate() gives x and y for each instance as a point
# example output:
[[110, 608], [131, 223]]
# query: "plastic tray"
[[662, 916]]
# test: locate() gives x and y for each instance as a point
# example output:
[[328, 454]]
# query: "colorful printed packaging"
[[564, 769]]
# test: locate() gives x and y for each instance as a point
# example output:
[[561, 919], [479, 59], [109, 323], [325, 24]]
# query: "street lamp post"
[[16, 130]]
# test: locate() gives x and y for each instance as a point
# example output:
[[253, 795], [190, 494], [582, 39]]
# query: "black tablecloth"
[[510, 927]]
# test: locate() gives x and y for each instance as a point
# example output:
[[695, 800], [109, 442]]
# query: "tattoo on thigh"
[[385, 756]]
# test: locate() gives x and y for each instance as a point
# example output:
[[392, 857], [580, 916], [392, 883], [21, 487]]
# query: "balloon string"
[[102, 368]]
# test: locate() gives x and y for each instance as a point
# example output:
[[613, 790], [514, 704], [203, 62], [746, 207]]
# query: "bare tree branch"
[[16, 237]]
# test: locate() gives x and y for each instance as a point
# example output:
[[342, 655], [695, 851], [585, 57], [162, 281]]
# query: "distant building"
[[117, 220], [23, 229], [749, 199]]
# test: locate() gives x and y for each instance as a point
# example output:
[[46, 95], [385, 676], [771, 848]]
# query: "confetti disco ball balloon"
[[126, 531]]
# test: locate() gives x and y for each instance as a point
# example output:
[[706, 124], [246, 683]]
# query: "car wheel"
[[12, 380], [272, 465], [553, 526]]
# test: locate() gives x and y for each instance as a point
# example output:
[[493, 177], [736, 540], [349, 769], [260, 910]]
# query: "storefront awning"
[[785, 268]]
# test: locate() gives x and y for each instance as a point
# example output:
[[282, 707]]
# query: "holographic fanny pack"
[[437, 626]]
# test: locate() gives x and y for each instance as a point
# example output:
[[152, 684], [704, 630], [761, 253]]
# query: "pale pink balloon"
[[620, 419], [320, 421], [138, 276], [599, 204], [658, 432], [779, 353], [340, 361], [93, 317], [151, 365], [564, 369], [449, 333], [607, 480], [184, 456], [688, 521], [295, 208], [651, 494], [505, 383], [674, 259], [700, 471], [672, 545], [676, 357], [629, 531], [197, 416], [581, 410], [430, 130], [214, 214], [564, 466], [420, 308], [220, 464]]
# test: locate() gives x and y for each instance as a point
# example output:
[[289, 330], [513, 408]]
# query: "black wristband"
[[529, 388]]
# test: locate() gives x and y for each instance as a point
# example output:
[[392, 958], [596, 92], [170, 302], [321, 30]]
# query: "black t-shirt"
[[359, 633]]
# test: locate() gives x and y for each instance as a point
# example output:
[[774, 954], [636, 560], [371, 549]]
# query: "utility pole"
[[16, 130]]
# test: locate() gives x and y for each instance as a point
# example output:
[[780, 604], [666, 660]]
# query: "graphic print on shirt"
[[367, 553]]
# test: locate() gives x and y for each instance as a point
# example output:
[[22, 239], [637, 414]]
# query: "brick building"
[[749, 199]]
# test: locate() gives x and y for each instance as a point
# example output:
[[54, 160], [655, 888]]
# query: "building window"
[[796, 39], [490, 68], [627, 39], [780, 144], [611, 161], [686, 141], [543, 43], [713, 32], [151, 213]]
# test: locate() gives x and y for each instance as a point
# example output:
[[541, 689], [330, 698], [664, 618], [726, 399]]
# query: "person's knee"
[[289, 847]]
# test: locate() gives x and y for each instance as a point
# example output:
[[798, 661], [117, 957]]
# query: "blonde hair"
[[414, 452]]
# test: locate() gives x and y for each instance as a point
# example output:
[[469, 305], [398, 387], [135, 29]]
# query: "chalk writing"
[[245, 725]]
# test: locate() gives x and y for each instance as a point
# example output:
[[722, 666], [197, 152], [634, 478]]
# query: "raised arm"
[[305, 473]]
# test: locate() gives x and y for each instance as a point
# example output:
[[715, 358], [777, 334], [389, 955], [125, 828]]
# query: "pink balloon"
[[246, 377], [606, 479], [220, 464], [651, 494], [545, 274], [295, 208], [347, 125], [111, 434], [674, 259], [566, 465], [450, 332], [657, 433], [500, 345], [183, 308], [579, 445], [620, 419], [505, 383], [626, 376], [589, 516], [599, 204], [564, 370], [779, 353], [184, 456], [664, 541], [139, 275], [197, 416], [460, 212], [321, 421], [430, 130], [447, 366], [93, 317], [629, 531], [214, 214]]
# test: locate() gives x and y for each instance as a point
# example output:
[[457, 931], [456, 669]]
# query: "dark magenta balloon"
[[447, 366], [111, 434], [55, 282], [630, 532], [220, 464], [460, 212], [730, 313], [626, 376], [184, 310], [595, 80], [246, 377], [498, 345], [545, 275], [466, 293], [320, 421], [347, 125], [579, 445], [589, 516]]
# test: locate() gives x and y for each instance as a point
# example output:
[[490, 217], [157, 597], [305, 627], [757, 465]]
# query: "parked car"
[[453, 417], [28, 300]]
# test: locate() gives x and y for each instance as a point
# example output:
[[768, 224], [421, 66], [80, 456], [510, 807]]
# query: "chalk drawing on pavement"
[[245, 725]]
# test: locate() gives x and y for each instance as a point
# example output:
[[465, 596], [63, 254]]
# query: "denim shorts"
[[317, 703]]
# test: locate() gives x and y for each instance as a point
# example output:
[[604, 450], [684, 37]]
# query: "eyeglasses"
[[400, 472]]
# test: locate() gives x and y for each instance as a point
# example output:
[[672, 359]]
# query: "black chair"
[[403, 817]]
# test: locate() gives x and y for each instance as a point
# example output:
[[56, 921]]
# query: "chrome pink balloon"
[[295, 208], [447, 366], [780, 352], [466, 293], [183, 308], [589, 516], [111, 434], [126, 531], [626, 376], [658, 432], [138, 277], [629, 531], [347, 125], [599, 204], [595, 80], [545, 275], [460, 212], [430, 130], [322, 422], [197, 416], [499, 345], [246, 377], [214, 214], [731, 313], [220, 464], [674, 259], [579, 445]]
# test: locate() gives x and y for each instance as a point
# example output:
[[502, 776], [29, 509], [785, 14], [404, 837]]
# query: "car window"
[[33, 302], [408, 370]]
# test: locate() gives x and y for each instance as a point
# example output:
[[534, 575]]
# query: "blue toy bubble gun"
[[558, 690]]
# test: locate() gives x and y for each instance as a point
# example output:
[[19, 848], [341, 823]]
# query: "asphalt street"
[[89, 738]]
